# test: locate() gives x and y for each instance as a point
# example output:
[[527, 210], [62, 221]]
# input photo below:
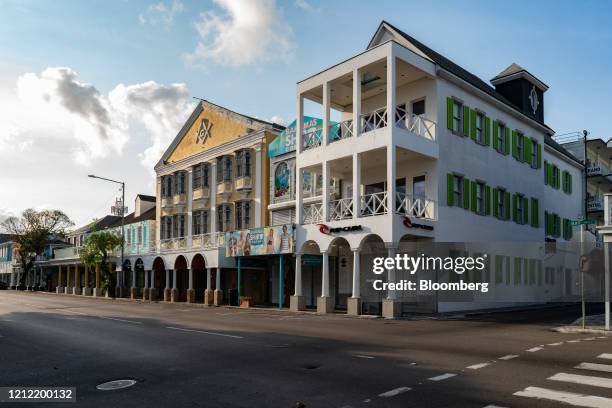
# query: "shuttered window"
[[535, 213]]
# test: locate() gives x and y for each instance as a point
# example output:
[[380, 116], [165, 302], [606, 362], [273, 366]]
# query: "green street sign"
[[583, 222]]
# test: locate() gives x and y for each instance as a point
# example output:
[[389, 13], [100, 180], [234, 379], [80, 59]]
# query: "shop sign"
[[260, 241], [327, 230], [409, 224]]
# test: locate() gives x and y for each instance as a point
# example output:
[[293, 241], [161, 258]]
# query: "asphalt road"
[[186, 356]]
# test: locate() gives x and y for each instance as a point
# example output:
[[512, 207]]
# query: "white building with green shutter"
[[424, 152]]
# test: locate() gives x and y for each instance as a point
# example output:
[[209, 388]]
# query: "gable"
[[209, 126], [385, 33]]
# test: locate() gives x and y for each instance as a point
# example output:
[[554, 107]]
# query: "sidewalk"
[[594, 324]]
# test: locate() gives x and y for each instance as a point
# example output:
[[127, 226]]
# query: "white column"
[[167, 278], [213, 197], [356, 185], [299, 123], [298, 275], [325, 189], [190, 278], [189, 189], [158, 206], [391, 176], [134, 277], [391, 294], [356, 102], [146, 279], [208, 275], [218, 279], [391, 82], [325, 281], [299, 202], [356, 274], [174, 279], [607, 284], [259, 181], [326, 109], [151, 283]]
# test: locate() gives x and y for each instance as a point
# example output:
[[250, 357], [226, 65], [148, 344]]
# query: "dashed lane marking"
[[555, 344], [534, 349], [362, 356], [583, 379], [478, 366], [442, 377], [571, 398], [607, 356], [606, 368], [493, 406], [509, 357], [394, 392], [205, 332], [119, 320], [574, 341]]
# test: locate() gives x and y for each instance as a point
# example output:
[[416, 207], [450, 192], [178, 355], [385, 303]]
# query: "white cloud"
[[278, 120], [160, 13], [305, 5], [246, 32]]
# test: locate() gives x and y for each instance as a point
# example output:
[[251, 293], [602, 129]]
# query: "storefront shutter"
[[495, 130], [507, 205], [449, 113], [487, 131], [473, 123], [488, 200], [514, 144], [474, 198], [466, 193], [535, 213], [466, 121], [450, 189], [495, 202]]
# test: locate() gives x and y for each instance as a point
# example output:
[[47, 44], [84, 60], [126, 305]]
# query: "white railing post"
[[391, 175], [299, 203], [356, 102], [325, 190], [356, 183]]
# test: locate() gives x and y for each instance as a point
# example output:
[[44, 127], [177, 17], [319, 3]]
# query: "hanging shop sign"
[[327, 230], [409, 224], [260, 241]]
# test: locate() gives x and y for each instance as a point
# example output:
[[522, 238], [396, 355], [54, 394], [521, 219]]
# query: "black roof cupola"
[[522, 89]]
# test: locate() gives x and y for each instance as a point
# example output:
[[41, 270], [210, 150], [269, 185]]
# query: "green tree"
[[32, 233], [98, 246]]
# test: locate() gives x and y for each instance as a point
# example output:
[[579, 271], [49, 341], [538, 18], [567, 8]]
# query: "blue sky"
[[107, 43]]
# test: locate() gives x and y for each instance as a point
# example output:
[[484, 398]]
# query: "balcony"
[[208, 241], [311, 140], [201, 193], [313, 213], [170, 244], [416, 124], [68, 253], [374, 204], [167, 202], [179, 199], [140, 249], [224, 190], [595, 204], [340, 131], [341, 209], [244, 185], [416, 207], [598, 169]]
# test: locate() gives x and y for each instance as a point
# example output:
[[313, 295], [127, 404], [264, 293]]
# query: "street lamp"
[[122, 214]]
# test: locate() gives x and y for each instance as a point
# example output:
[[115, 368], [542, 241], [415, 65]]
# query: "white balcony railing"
[[313, 213], [416, 124], [339, 131], [597, 169], [341, 209], [311, 139], [595, 204], [374, 120], [173, 243], [415, 207], [208, 241], [374, 204], [140, 249]]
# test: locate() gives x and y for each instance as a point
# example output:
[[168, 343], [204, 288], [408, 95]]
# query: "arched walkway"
[[180, 279], [127, 275], [310, 263], [340, 272], [159, 279], [198, 269], [370, 248]]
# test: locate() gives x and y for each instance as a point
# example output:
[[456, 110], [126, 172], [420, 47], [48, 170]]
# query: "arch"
[[158, 263], [181, 272], [198, 269], [127, 265], [198, 261], [372, 243], [310, 247], [337, 242], [180, 262], [139, 265]]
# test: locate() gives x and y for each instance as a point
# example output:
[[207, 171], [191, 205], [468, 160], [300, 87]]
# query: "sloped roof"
[[148, 198], [512, 69], [5, 238], [147, 215], [516, 70]]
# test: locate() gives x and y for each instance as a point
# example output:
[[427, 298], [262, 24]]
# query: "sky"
[[102, 87]]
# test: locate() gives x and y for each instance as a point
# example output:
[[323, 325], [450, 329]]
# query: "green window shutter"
[[515, 207], [450, 189], [535, 213], [507, 141], [487, 129], [495, 130], [466, 193], [570, 184], [507, 205], [449, 112], [558, 179], [565, 228], [549, 168], [495, 202], [473, 122], [514, 144], [564, 177], [474, 197], [487, 200], [466, 120], [539, 154], [525, 210], [528, 150]]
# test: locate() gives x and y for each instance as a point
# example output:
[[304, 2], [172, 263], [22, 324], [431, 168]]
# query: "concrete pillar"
[[60, 278], [391, 307], [213, 199], [218, 295], [325, 190], [391, 85], [133, 288], [152, 289], [146, 291], [68, 288], [354, 302], [167, 288], [190, 291], [326, 112], [97, 289], [258, 186], [325, 303], [77, 284], [298, 301], [174, 295], [86, 288], [356, 185], [299, 201], [208, 293], [356, 102]]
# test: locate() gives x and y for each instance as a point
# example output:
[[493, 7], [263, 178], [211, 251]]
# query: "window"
[[555, 178], [243, 163], [480, 198], [197, 176], [179, 182], [224, 169], [418, 107], [480, 134], [457, 117], [501, 210], [128, 238], [567, 182], [520, 209], [224, 218], [139, 239], [520, 146], [166, 186], [458, 191], [196, 223], [166, 227], [179, 226], [501, 137], [243, 214]]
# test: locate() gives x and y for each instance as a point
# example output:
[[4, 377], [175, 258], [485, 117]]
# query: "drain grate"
[[115, 385]]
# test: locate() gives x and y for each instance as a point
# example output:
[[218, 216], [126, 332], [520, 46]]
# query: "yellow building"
[[213, 178]]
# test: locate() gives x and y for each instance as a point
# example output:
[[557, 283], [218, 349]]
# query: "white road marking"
[[509, 357], [534, 349], [442, 377], [583, 379], [75, 312], [362, 356], [205, 332], [574, 341], [589, 339], [394, 392], [571, 398], [606, 368], [607, 356], [119, 320], [478, 366], [493, 406], [555, 344]]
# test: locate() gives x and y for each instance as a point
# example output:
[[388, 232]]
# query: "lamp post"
[[122, 215]]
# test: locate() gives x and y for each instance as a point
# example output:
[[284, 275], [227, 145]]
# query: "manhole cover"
[[115, 385]]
